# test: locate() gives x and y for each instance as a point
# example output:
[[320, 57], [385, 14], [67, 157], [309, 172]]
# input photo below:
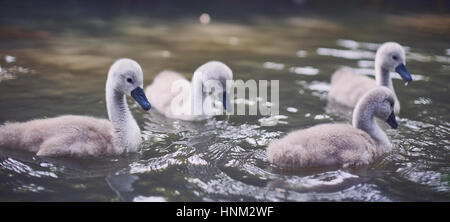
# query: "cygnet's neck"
[[383, 76], [363, 119], [126, 131]]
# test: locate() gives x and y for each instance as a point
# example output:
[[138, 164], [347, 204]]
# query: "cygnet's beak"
[[138, 94], [392, 121], [226, 102], [401, 69]]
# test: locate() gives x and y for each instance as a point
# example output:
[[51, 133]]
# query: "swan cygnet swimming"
[[174, 96], [340, 144], [347, 87], [84, 136]]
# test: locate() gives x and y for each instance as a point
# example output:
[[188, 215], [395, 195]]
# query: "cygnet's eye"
[[394, 57], [130, 80]]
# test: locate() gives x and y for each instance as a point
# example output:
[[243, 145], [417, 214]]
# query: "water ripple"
[[347, 54]]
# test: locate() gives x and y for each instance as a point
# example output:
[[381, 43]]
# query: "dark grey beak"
[[225, 102], [392, 121], [401, 69], [138, 94]]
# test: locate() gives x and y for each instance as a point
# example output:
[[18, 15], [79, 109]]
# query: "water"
[[54, 61]]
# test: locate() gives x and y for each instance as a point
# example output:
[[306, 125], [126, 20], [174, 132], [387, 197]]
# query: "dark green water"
[[54, 60]]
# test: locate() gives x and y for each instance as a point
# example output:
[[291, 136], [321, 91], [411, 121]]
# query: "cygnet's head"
[[216, 72], [381, 101], [391, 56], [125, 76]]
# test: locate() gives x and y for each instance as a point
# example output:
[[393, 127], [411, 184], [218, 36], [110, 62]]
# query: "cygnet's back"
[[348, 87], [64, 135], [162, 93], [323, 145]]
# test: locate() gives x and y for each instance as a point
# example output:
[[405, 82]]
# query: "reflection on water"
[[10, 71], [307, 70], [347, 54], [60, 70]]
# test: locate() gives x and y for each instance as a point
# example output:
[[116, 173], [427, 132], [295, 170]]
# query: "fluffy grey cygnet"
[[84, 136], [340, 144], [163, 92], [348, 87]]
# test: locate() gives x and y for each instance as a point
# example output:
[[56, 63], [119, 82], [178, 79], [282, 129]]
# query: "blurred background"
[[54, 56]]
